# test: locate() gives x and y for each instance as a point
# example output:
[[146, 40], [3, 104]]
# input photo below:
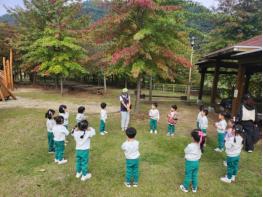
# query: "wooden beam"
[[11, 70], [248, 76], [214, 87], [239, 90], [4, 68], [201, 90]]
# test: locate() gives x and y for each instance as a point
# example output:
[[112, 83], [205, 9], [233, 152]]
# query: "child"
[[193, 153], [229, 133], [172, 119], [60, 132], [203, 122], [221, 128], [64, 113], [154, 118], [103, 118], [82, 137], [199, 116], [50, 124], [80, 115], [131, 151], [233, 146]]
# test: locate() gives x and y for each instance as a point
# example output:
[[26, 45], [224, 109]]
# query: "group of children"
[[229, 137]]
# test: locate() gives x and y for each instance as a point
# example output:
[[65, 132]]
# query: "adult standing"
[[247, 117], [125, 101]]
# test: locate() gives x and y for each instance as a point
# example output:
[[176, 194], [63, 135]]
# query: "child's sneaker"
[[183, 189], [225, 163], [78, 175], [225, 180], [105, 132], [168, 134], [217, 149], [51, 152], [151, 131], [84, 178], [127, 184], [56, 161], [233, 178], [250, 151], [172, 134], [135, 184], [155, 131], [194, 190], [102, 133], [63, 161]]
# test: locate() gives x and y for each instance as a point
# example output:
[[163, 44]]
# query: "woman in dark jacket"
[[247, 117]]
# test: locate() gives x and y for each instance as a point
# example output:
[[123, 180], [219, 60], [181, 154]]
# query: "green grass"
[[23, 152]]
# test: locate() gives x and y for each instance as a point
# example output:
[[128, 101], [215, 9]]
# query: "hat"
[[124, 90]]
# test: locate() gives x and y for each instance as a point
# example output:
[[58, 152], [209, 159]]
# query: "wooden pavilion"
[[242, 59]]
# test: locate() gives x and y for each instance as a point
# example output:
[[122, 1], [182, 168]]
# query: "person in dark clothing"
[[247, 117]]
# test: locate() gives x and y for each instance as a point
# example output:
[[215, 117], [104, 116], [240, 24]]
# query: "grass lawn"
[[23, 153]]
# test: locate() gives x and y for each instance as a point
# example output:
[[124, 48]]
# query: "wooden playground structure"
[[6, 78]]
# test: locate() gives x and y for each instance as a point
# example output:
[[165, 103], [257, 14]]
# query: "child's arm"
[[187, 149], [158, 115], [66, 131], [90, 133], [123, 146]]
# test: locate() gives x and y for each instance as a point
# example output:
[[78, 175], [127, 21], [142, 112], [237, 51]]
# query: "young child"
[[154, 118], [103, 118], [172, 119], [50, 124], [199, 116], [233, 146], [193, 153], [203, 122], [229, 133], [60, 132], [82, 135], [64, 113], [221, 128], [131, 151], [80, 115]]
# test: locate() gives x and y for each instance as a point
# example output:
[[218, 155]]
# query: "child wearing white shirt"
[[80, 115], [233, 146], [154, 118], [64, 113], [82, 135], [103, 118], [203, 124], [199, 116], [221, 128], [60, 132], [50, 124], [192, 156], [131, 151], [172, 120]]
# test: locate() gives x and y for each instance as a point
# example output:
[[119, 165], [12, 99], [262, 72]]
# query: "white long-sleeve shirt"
[[233, 149], [80, 117], [154, 114], [199, 116], [103, 115], [60, 132], [203, 123], [50, 124], [131, 149], [192, 152], [221, 126], [83, 143], [65, 116]]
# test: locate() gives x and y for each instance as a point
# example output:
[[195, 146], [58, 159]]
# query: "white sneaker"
[[172, 134], [225, 163], [194, 190], [56, 161], [105, 132], [183, 189], [168, 134], [151, 131], [135, 185], [217, 149], [155, 131], [225, 180], [78, 175], [84, 178], [63, 161], [127, 184], [101, 133], [233, 178], [250, 151]]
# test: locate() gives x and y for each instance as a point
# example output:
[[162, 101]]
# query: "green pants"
[[191, 174], [153, 124], [102, 126], [232, 166], [50, 138], [171, 128], [197, 125], [204, 131], [221, 140], [82, 160], [132, 170], [59, 150]]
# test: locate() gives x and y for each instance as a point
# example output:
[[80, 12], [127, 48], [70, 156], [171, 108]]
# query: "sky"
[[13, 3]]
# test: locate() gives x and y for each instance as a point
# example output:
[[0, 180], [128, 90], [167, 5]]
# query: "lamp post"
[[190, 70]]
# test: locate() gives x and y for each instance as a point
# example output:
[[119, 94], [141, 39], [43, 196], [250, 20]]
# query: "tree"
[[147, 38]]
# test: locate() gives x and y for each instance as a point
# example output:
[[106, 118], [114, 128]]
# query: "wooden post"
[[248, 75], [239, 90], [7, 74], [11, 70], [201, 88], [4, 67], [150, 88], [214, 87]]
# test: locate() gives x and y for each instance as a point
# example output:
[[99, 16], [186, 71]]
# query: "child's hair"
[[83, 126], [131, 132], [238, 131], [223, 114], [49, 114], [155, 104], [198, 138], [59, 119], [103, 105], [205, 111], [62, 108], [201, 107], [174, 107], [81, 109]]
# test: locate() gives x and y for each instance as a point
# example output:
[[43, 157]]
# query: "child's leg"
[[135, 171], [102, 126], [169, 129], [56, 150], [50, 142], [230, 167], [151, 125], [155, 125], [236, 162], [195, 174], [127, 120], [220, 140], [173, 129], [61, 147], [78, 161], [123, 117], [197, 125], [84, 161], [128, 170], [188, 174]]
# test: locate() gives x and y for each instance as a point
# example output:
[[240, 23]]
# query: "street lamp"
[[192, 40]]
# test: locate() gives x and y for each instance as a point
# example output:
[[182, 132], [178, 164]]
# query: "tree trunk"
[[61, 86], [138, 93], [126, 82], [151, 88], [20, 74], [105, 83]]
